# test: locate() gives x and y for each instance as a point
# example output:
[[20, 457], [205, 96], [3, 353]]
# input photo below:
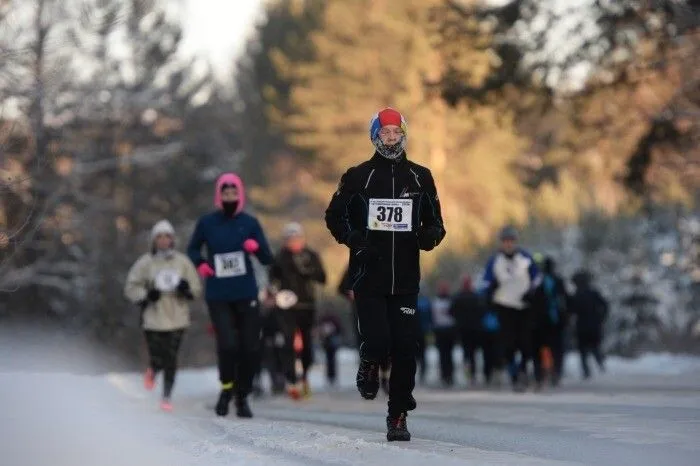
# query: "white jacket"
[[512, 276]]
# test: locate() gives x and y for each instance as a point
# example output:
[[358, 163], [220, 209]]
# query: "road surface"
[[628, 416]]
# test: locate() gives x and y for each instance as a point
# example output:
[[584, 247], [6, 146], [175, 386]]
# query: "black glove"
[[356, 240], [183, 289], [427, 237], [153, 295], [362, 250]]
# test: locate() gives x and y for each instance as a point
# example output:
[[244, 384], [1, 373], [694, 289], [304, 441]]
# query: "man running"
[[385, 210], [510, 276], [297, 268]]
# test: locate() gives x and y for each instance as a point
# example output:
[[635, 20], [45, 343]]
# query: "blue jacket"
[[223, 237], [425, 315]]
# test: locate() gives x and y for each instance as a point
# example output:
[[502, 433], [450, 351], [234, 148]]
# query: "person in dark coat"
[[330, 332], [550, 317], [297, 269], [468, 310], [591, 310]]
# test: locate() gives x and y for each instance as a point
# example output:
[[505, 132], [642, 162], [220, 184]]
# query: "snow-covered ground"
[[645, 411]]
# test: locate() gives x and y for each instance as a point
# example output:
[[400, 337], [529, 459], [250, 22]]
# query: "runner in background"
[[162, 282], [330, 332], [230, 237], [510, 275], [296, 270], [445, 330]]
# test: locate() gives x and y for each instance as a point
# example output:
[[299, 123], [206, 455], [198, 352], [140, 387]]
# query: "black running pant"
[[389, 328], [516, 335], [472, 340], [590, 343], [237, 328], [553, 338], [292, 320], [445, 340], [163, 348]]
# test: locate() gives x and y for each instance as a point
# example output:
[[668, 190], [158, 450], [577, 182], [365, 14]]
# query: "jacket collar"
[[380, 159]]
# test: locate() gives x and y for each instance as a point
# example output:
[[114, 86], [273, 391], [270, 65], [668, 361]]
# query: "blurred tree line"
[[532, 111]]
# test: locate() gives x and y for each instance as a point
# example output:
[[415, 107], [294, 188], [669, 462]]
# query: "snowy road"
[[637, 414]]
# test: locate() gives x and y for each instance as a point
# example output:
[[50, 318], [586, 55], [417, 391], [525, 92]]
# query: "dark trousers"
[[331, 363], [163, 348], [273, 348], [475, 339], [553, 338], [589, 343], [445, 341], [237, 328], [290, 321], [389, 328], [515, 336]]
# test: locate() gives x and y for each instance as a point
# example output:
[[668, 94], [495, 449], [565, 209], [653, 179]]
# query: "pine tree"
[[374, 54]]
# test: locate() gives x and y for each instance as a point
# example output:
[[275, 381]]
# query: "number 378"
[[389, 214]]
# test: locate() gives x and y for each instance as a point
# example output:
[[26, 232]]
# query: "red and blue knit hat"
[[387, 117]]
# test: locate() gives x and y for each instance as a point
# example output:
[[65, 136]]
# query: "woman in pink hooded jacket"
[[230, 237]]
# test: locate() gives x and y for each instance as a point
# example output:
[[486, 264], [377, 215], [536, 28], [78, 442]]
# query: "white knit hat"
[[292, 230], [162, 228]]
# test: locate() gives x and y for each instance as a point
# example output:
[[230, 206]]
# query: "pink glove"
[[250, 246], [205, 271]]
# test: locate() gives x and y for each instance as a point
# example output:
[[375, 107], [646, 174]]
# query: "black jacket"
[[297, 272], [590, 309], [468, 310], [381, 261], [540, 300]]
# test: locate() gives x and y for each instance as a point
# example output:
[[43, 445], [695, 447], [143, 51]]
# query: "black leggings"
[[163, 348], [237, 328], [290, 321]]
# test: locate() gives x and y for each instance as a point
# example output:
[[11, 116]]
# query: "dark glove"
[[428, 237], [153, 295], [183, 289], [356, 240]]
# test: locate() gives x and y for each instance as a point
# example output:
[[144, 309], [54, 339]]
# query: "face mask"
[[229, 207], [392, 152]]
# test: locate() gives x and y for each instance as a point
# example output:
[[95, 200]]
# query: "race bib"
[[231, 264], [390, 214], [166, 279]]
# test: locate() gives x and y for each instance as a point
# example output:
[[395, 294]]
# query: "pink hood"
[[230, 178]]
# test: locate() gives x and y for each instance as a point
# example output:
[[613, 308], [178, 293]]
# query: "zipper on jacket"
[[393, 233]]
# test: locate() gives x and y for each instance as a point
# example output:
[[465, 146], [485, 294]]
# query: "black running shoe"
[[224, 400], [368, 379], [396, 429], [243, 408]]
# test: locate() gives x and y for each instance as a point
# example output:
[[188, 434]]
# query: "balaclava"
[[383, 118]]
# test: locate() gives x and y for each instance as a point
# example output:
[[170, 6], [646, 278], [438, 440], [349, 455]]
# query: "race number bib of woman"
[[230, 264], [166, 279], [390, 214]]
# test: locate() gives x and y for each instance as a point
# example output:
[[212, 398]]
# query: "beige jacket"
[[163, 272]]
